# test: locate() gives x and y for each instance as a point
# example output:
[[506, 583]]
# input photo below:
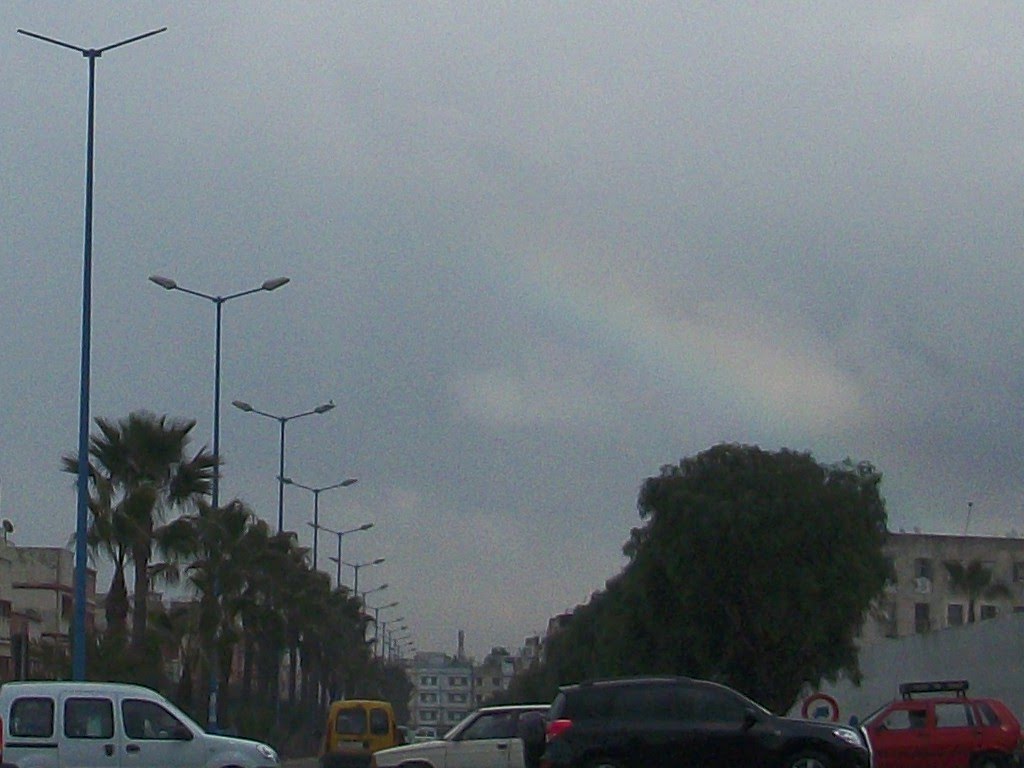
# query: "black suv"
[[677, 722]]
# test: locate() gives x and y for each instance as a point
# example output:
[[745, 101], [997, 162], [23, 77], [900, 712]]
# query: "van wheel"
[[808, 759], [603, 762]]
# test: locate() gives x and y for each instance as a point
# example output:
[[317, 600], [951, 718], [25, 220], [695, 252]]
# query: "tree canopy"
[[752, 568]]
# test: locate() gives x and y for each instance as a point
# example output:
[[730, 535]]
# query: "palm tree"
[[975, 581], [140, 469], [211, 543]]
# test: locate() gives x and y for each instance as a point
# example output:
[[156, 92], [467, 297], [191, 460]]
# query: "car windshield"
[[873, 715]]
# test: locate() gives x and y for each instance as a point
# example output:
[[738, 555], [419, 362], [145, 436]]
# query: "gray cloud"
[[536, 252]]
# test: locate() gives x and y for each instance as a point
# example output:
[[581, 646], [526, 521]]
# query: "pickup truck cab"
[[108, 725], [488, 738]]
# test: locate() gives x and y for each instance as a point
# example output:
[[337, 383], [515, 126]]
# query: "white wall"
[[989, 654]]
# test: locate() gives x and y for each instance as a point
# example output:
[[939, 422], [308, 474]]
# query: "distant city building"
[[37, 602], [925, 596], [447, 688]]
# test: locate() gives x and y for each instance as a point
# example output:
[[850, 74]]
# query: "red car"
[[936, 725]]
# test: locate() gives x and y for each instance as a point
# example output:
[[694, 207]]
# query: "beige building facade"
[[37, 602], [925, 597]]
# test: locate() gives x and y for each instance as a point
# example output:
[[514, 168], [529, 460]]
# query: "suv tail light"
[[556, 728]]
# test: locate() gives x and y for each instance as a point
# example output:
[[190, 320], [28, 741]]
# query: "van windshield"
[[351, 722]]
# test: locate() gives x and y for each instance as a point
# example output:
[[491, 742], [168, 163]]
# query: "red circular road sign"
[[820, 706]]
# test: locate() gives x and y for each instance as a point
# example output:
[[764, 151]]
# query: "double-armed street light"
[[315, 525], [376, 617], [218, 301], [362, 597], [340, 535], [357, 567], [282, 420], [395, 644], [82, 510], [384, 632]]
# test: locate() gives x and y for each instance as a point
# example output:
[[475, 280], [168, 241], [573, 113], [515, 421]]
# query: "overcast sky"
[[536, 250]]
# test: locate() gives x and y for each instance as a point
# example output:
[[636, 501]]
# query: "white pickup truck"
[[488, 738]]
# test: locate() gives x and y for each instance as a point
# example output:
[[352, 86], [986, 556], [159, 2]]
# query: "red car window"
[[953, 715], [988, 715]]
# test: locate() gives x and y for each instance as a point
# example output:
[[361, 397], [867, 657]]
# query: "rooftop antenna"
[[970, 506]]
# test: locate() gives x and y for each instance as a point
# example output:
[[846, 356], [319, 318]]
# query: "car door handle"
[[109, 749], [502, 745], [132, 748]]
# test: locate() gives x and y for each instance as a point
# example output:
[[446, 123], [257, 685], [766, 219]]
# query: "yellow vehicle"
[[356, 728]]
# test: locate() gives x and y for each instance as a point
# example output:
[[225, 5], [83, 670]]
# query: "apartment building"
[[36, 602], [442, 691], [493, 676], [925, 595]]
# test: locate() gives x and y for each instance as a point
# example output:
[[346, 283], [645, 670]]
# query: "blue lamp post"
[[82, 516], [219, 301], [316, 505], [282, 420]]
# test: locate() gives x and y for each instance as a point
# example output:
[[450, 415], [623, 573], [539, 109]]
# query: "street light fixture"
[[219, 301], [371, 591], [82, 516], [282, 420], [356, 566], [340, 534], [376, 618], [315, 525]]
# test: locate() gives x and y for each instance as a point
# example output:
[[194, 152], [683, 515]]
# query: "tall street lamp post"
[[316, 505], [371, 591], [341, 535], [376, 618], [219, 301], [82, 517], [282, 420], [384, 643], [356, 567]]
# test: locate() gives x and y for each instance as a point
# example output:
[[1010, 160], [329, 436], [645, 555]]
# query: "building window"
[[428, 714], [428, 680], [923, 568], [495, 681], [922, 617], [955, 614], [989, 612], [428, 698]]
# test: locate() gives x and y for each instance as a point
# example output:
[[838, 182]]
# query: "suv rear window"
[[645, 703], [584, 703]]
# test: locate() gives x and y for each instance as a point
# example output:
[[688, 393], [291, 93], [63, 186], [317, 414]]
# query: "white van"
[[111, 725]]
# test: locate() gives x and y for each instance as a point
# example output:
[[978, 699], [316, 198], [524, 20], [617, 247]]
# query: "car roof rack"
[[959, 687]]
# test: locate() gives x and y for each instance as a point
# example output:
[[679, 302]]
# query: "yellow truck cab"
[[355, 729]]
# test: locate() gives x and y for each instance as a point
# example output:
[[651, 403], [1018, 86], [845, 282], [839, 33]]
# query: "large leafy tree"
[[751, 567]]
